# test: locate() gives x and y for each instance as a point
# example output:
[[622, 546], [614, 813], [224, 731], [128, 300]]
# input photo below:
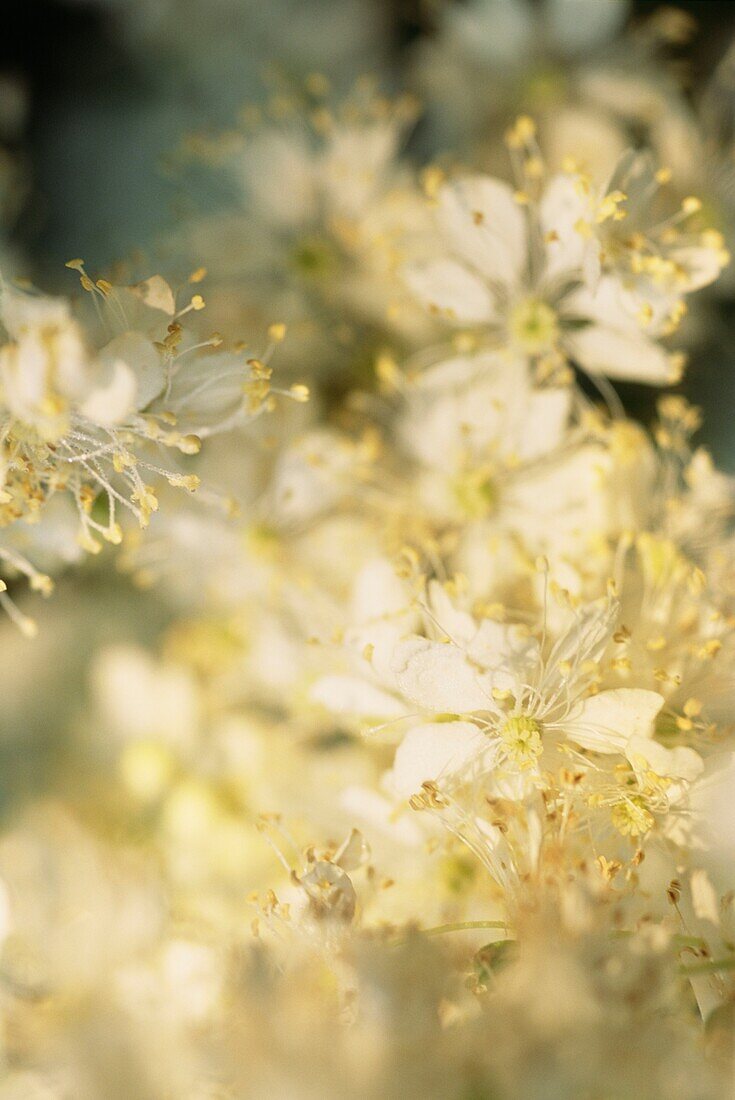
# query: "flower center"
[[533, 326], [476, 493], [631, 817], [313, 257], [521, 739]]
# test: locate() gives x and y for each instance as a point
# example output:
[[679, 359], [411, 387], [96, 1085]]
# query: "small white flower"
[[524, 272], [521, 697]]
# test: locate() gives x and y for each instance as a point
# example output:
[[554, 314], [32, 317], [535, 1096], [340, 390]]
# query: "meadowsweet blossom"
[[87, 412], [548, 272], [396, 759]]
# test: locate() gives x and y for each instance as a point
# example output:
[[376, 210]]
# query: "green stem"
[[709, 966], [460, 926], [463, 926]]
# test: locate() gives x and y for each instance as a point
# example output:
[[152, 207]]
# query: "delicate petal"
[[156, 294], [438, 677], [456, 624], [629, 356], [506, 653], [681, 762], [485, 226], [378, 591], [704, 897], [356, 696], [449, 288], [435, 752], [544, 422], [113, 400], [561, 208], [607, 722], [701, 265], [137, 351]]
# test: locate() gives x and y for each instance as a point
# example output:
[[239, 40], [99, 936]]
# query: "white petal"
[[702, 265], [438, 677], [485, 226], [560, 209], [137, 351], [628, 356], [506, 653], [450, 288], [544, 422], [457, 624], [378, 591], [435, 752], [353, 695], [607, 722], [704, 897], [111, 402], [681, 762]]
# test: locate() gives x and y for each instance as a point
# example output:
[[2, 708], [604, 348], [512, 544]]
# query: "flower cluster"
[[86, 409], [410, 771]]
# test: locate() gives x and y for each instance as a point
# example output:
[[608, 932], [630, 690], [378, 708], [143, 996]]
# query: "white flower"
[[381, 614], [523, 699], [474, 422], [521, 270], [84, 409]]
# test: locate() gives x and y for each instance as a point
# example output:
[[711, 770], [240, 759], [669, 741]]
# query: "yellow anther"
[[277, 332]]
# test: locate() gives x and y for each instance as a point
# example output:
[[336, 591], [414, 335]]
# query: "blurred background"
[[98, 96]]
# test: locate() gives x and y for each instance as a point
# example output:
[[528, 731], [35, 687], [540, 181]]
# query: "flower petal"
[[435, 752], [449, 288], [354, 695], [485, 226], [438, 677], [561, 208], [608, 721], [681, 762], [629, 356]]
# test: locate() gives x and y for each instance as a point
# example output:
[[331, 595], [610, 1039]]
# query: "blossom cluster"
[[414, 773]]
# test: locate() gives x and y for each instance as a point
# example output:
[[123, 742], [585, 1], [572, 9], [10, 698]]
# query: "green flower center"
[[313, 257], [521, 739], [476, 494], [631, 817], [533, 326]]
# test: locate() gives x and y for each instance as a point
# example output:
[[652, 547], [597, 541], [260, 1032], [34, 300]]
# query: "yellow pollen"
[[631, 818], [521, 739]]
